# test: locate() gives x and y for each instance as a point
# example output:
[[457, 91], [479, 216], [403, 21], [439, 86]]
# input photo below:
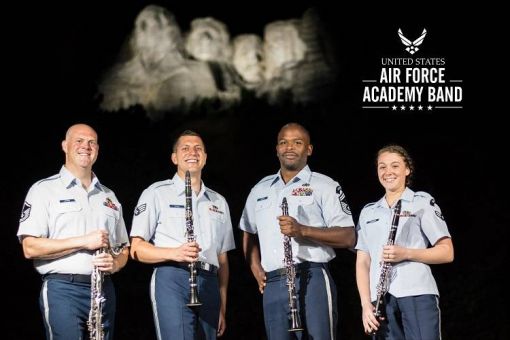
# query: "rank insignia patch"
[[439, 214], [140, 209], [343, 202], [25, 211]]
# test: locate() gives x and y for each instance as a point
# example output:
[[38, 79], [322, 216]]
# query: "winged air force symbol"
[[412, 46]]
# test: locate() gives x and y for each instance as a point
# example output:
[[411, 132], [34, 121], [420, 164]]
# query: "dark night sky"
[[56, 65]]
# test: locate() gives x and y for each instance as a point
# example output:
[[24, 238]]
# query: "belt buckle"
[[205, 266]]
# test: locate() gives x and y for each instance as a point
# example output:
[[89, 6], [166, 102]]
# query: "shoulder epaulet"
[[422, 194], [105, 188], [322, 176], [369, 205], [52, 178], [161, 184], [267, 178]]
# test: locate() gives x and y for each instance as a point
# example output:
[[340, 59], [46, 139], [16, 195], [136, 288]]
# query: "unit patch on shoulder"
[[140, 209], [25, 211], [432, 202]]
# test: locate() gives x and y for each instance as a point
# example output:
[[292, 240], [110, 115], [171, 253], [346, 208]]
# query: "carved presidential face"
[[208, 40], [156, 34], [247, 57]]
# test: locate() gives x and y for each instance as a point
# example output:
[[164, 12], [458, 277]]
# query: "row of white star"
[[411, 107]]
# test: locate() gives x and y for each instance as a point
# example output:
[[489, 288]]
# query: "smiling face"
[[81, 148], [293, 147], [189, 154], [392, 171]]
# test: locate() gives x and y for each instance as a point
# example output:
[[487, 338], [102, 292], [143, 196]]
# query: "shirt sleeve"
[[335, 209], [433, 223], [228, 239], [121, 236], [34, 220], [360, 237], [247, 222], [145, 216]]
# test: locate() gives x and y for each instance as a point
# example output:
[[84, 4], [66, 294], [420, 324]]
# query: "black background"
[[56, 54]]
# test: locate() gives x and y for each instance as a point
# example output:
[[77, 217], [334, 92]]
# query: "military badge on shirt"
[[109, 203], [25, 211], [304, 190], [215, 209], [407, 213], [343, 201], [140, 209]]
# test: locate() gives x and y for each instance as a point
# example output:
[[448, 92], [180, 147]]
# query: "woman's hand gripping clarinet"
[[290, 269], [97, 299], [193, 298], [384, 279]]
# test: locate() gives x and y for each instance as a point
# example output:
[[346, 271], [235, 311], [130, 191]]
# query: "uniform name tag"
[[68, 200], [176, 206], [261, 199]]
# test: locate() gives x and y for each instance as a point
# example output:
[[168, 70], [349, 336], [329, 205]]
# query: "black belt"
[[299, 267], [199, 265], [81, 278]]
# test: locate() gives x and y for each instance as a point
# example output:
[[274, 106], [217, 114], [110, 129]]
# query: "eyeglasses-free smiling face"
[[293, 148], [392, 171], [189, 154], [80, 146]]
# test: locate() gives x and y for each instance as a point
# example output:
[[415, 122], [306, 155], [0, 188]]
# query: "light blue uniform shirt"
[[160, 219], [421, 225], [59, 207], [314, 200]]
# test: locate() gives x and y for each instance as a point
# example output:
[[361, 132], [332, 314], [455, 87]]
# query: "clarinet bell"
[[295, 321], [193, 298]]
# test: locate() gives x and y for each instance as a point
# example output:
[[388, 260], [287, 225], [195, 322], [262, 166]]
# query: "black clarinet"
[[384, 279], [193, 296], [290, 270]]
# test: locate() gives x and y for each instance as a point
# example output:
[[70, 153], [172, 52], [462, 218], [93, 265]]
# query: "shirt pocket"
[[174, 224], [263, 204], [68, 220]]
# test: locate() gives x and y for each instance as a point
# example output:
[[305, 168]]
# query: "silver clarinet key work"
[[290, 269], [97, 299], [193, 298], [384, 279]]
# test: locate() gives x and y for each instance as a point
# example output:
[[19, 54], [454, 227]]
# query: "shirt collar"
[[407, 195], [179, 187], [69, 180], [304, 175]]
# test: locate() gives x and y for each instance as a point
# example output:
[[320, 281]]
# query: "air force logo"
[[25, 211], [412, 46]]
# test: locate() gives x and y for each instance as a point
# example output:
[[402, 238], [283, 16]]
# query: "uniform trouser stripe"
[[330, 301], [154, 304], [46, 314], [439, 316]]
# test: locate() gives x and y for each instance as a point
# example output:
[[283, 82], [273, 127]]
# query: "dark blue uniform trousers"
[[170, 292], [317, 303], [411, 318], [65, 307]]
